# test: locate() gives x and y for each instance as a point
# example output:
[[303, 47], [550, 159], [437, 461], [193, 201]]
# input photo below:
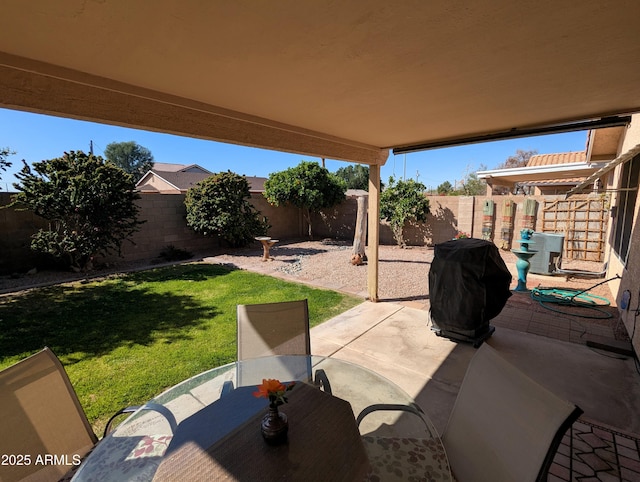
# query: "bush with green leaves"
[[89, 203], [219, 206], [308, 186], [403, 201]]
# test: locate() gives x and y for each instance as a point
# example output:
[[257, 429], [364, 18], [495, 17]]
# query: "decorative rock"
[[356, 260]]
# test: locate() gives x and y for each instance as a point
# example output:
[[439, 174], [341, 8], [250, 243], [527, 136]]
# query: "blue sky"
[[35, 137]]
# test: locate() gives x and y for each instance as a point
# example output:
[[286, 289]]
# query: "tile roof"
[[553, 159], [573, 181], [559, 158]]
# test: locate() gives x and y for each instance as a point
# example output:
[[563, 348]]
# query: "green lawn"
[[125, 339]]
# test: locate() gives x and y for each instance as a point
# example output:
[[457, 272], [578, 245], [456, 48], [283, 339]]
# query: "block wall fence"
[[165, 224]]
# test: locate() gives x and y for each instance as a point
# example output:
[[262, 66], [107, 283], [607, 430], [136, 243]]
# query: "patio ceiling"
[[342, 80]]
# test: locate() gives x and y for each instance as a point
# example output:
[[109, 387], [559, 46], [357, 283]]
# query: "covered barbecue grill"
[[468, 286]]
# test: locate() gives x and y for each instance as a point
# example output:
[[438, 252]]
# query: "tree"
[[472, 186], [4, 164], [519, 159], [219, 205], [89, 203], [445, 188], [355, 176], [401, 202], [133, 158], [307, 186]]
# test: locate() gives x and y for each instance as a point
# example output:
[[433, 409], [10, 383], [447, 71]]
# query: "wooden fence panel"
[[583, 221]]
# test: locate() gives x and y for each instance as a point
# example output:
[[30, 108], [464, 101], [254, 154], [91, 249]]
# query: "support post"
[[374, 231]]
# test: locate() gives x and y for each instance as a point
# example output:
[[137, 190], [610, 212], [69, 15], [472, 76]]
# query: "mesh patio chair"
[[504, 426], [41, 412], [273, 329], [276, 329], [41, 415]]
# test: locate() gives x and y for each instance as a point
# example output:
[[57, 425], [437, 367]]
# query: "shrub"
[[219, 205], [308, 186], [89, 203], [400, 202]]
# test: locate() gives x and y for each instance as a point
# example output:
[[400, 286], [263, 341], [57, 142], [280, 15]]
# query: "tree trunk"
[[307, 215], [358, 255], [398, 234]]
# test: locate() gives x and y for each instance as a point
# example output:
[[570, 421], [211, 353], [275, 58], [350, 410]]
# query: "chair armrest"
[[227, 388], [162, 410], [414, 409], [322, 381]]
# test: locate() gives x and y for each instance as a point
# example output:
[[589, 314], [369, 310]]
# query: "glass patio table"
[[345, 423]]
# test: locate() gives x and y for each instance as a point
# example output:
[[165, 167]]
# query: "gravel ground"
[[403, 272]]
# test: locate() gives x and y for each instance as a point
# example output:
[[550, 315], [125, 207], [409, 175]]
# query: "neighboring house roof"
[[165, 167], [172, 178], [560, 158], [555, 159], [175, 181], [574, 181], [565, 168], [182, 181], [256, 184]]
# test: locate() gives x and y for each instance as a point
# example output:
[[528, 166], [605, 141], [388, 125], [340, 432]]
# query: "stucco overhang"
[[342, 80], [604, 144], [539, 173]]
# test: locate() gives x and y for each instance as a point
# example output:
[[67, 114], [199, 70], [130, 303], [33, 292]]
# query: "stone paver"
[[598, 453]]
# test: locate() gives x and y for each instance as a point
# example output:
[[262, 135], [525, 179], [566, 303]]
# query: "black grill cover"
[[468, 286]]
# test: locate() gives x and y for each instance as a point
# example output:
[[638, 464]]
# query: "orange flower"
[[273, 390], [269, 387]]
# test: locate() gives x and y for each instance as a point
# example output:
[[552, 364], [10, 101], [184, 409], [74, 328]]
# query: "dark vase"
[[274, 426]]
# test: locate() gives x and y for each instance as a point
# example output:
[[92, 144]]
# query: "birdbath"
[[523, 254], [267, 242]]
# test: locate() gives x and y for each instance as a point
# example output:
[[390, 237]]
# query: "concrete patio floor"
[[395, 341]]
